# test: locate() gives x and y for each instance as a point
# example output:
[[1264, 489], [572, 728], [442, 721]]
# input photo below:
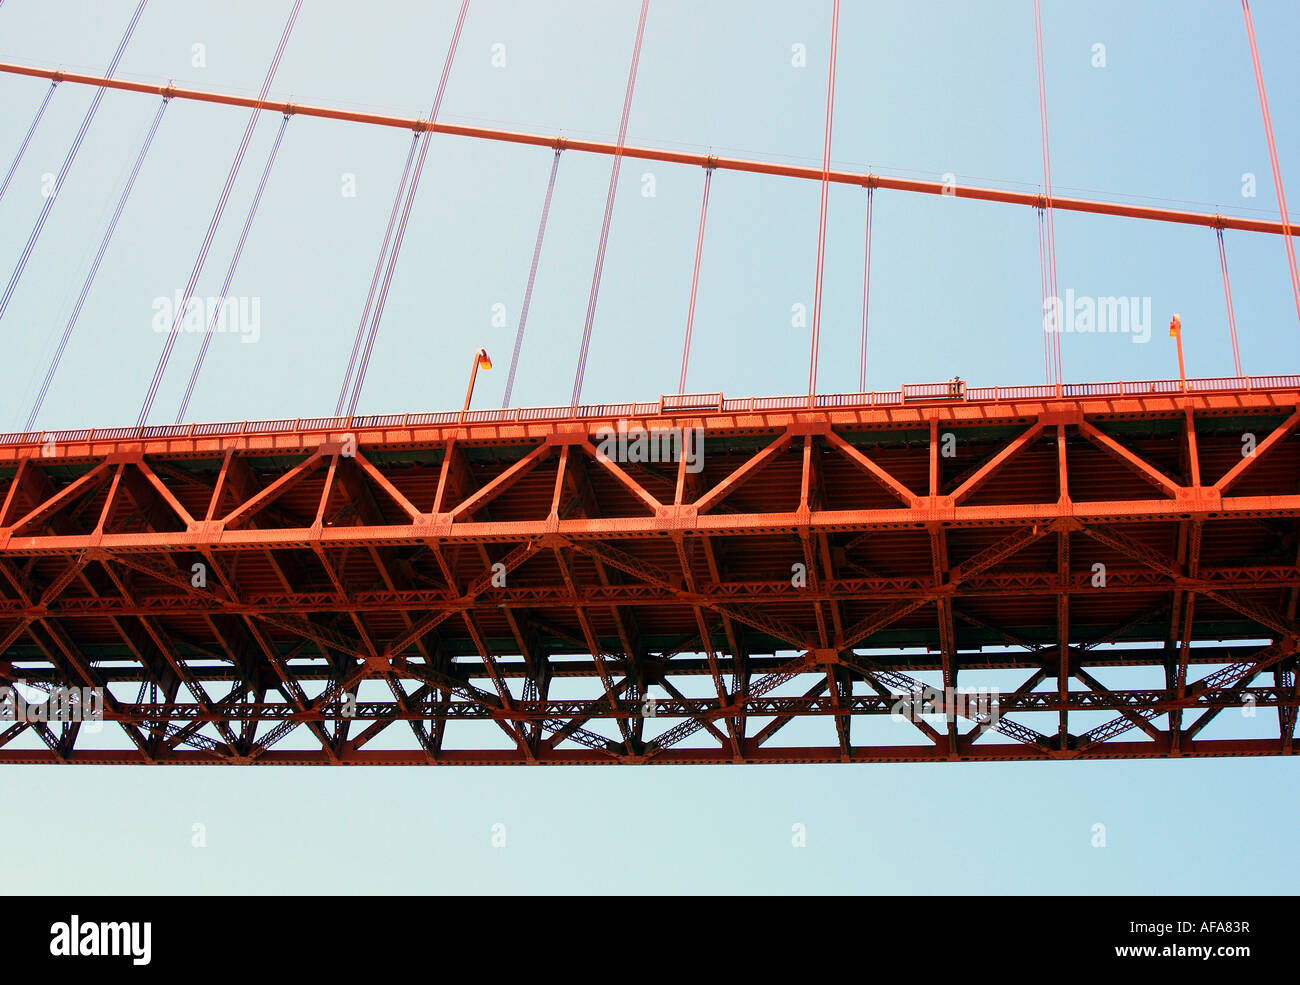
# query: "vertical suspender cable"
[[1049, 323], [532, 276], [866, 295], [1054, 342], [22, 148], [374, 277], [94, 266], [821, 220], [695, 280], [230, 272], [1227, 296], [594, 293], [1272, 156], [68, 159], [180, 314], [424, 140]]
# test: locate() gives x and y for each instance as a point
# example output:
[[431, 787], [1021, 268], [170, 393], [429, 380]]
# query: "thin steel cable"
[[22, 148], [1272, 156], [594, 294], [179, 315], [1043, 285], [94, 267], [68, 160], [230, 271], [532, 276], [1227, 297], [1044, 242], [866, 296], [695, 279], [424, 141], [1055, 339], [376, 275], [815, 345]]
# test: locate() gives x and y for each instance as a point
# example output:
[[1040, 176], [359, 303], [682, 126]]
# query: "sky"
[[1171, 118]]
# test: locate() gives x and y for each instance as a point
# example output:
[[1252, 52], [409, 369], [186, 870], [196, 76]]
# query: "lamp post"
[[481, 361], [1176, 330]]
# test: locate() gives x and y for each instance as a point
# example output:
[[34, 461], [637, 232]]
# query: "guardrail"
[[950, 390], [667, 404], [690, 401]]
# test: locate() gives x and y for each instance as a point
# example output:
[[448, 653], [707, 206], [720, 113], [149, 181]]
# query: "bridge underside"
[[1122, 568]]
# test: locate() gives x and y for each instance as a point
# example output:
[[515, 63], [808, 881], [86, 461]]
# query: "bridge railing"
[[670, 404], [948, 390], [981, 394], [690, 401]]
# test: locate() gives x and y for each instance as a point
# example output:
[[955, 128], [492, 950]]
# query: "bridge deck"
[[521, 586]]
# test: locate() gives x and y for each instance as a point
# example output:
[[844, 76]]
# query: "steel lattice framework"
[[491, 588]]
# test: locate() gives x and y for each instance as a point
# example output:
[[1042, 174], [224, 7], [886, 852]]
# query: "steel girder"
[[259, 587]]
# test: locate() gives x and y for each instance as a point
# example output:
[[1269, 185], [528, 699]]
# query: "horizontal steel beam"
[[752, 754], [599, 708]]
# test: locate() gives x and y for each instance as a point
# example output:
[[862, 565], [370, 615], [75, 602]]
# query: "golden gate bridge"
[[360, 589]]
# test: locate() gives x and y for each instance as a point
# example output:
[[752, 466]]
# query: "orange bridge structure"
[[1114, 568], [359, 590]]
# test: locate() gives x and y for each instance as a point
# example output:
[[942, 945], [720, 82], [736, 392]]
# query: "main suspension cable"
[[1272, 156], [532, 276], [68, 159], [179, 315], [633, 152], [94, 266], [594, 293]]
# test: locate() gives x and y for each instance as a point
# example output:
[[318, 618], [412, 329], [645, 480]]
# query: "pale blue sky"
[[923, 89]]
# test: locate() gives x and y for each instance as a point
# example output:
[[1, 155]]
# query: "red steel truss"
[[421, 589]]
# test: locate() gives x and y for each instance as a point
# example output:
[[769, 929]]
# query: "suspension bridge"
[[494, 587]]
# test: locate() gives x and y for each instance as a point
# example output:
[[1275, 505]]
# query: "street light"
[[1176, 330], [481, 361]]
